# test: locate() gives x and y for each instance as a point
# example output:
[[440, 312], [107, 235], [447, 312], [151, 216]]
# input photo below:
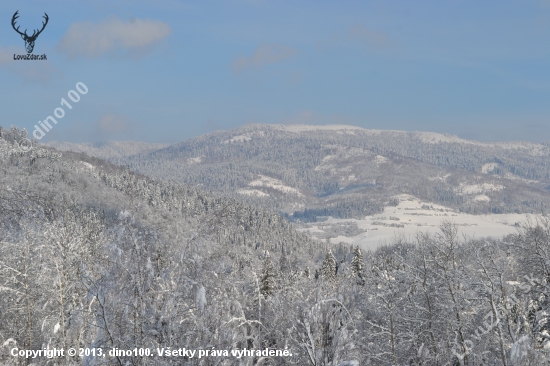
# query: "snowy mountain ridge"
[[306, 167]]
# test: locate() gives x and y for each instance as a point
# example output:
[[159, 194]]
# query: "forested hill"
[[80, 236], [347, 171], [114, 151], [94, 256], [76, 180]]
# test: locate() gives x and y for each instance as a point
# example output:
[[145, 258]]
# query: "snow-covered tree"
[[268, 279], [284, 264], [328, 269], [358, 265]]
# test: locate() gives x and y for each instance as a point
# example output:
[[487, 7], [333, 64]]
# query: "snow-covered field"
[[412, 216], [268, 182], [252, 192], [479, 188], [435, 138], [195, 160], [239, 138]]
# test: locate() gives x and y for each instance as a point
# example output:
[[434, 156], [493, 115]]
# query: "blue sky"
[[167, 70]]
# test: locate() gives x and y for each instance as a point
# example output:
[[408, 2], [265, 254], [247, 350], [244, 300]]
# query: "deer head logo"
[[29, 40]]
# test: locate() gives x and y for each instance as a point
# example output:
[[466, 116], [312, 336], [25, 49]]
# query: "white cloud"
[[135, 36], [262, 56]]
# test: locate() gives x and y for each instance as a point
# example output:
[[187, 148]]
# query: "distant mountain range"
[[345, 171]]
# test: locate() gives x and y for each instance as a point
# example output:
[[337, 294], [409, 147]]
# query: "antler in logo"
[[29, 40]]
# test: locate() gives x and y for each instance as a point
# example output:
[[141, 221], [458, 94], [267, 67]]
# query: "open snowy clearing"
[[276, 184], [478, 188], [252, 192], [240, 138], [412, 216], [196, 160]]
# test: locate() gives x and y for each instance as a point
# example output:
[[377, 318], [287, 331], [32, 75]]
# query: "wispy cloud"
[[262, 56], [33, 71], [369, 37], [315, 118], [133, 37], [301, 118], [110, 126], [359, 35], [113, 124], [6, 56]]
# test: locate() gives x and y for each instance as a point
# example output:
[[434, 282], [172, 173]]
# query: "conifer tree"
[[267, 285], [357, 265], [284, 264], [328, 270]]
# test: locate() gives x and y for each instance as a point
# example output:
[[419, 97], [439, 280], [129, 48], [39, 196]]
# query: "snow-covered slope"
[[110, 150], [413, 216], [348, 170]]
